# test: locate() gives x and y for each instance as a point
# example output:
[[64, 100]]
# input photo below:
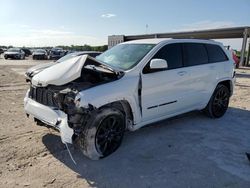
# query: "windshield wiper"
[[107, 68], [92, 67]]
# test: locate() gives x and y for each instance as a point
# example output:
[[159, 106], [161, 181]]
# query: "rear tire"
[[218, 103], [103, 133]]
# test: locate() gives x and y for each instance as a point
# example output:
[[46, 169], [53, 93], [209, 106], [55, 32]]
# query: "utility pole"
[[243, 49], [248, 54], [146, 29]]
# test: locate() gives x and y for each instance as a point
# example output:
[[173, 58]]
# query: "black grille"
[[43, 96]]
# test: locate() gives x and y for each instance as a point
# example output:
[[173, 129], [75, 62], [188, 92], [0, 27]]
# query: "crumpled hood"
[[38, 68], [60, 73]]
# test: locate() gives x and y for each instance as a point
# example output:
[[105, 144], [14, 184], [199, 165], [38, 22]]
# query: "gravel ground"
[[188, 151]]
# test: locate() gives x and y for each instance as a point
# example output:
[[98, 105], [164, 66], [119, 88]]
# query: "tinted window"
[[172, 53], [215, 53], [195, 54]]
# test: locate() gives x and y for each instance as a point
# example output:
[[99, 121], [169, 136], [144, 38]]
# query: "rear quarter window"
[[215, 53]]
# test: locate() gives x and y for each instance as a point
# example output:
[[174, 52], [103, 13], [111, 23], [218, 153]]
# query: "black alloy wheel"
[[103, 133], [109, 134], [220, 102]]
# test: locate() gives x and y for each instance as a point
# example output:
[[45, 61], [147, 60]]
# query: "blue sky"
[[66, 22]]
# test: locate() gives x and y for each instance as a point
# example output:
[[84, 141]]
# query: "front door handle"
[[182, 73], [212, 67]]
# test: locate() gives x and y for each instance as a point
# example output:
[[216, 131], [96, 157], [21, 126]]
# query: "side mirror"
[[158, 64]]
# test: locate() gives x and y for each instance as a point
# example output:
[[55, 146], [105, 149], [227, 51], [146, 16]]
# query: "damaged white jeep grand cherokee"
[[93, 101]]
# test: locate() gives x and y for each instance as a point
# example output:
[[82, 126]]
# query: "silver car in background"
[[14, 53], [40, 54]]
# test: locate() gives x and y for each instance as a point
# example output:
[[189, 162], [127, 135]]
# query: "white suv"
[[93, 101]]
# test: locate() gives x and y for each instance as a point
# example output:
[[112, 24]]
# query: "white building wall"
[[114, 40]]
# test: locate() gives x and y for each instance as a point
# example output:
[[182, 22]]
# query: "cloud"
[[43, 40], [29, 30], [49, 32], [46, 37], [24, 26], [206, 24], [108, 15]]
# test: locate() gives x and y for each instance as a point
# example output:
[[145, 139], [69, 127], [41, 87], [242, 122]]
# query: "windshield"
[[13, 50], [125, 56], [56, 49], [40, 51]]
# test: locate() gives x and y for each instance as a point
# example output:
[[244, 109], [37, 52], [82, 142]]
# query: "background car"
[[14, 53], [1, 51], [56, 53], [74, 54], [236, 59], [27, 52], [40, 54]]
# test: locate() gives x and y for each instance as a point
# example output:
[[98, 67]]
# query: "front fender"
[[122, 89]]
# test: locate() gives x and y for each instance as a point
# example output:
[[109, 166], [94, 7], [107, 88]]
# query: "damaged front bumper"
[[50, 116]]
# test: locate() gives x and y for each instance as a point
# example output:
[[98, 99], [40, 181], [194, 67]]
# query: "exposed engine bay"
[[62, 97]]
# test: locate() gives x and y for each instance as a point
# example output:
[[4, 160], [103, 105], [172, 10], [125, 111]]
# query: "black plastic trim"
[[163, 104]]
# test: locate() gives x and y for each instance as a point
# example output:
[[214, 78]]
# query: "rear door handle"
[[182, 73]]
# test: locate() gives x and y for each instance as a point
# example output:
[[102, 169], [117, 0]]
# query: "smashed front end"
[[54, 100]]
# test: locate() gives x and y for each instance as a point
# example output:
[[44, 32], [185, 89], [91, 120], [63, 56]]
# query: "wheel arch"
[[228, 83], [125, 107], [209, 109]]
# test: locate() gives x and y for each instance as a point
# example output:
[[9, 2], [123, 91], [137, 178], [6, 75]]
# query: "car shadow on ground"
[[240, 75], [242, 85], [244, 68], [186, 151]]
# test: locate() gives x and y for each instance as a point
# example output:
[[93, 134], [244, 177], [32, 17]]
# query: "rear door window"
[[194, 54], [215, 53]]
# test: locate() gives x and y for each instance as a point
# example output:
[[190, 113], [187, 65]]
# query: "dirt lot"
[[188, 151]]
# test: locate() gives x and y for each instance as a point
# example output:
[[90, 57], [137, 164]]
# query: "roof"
[[159, 40], [148, 41]]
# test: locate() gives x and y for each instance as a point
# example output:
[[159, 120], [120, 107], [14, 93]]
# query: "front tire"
[[103, 134], [218, 103]]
